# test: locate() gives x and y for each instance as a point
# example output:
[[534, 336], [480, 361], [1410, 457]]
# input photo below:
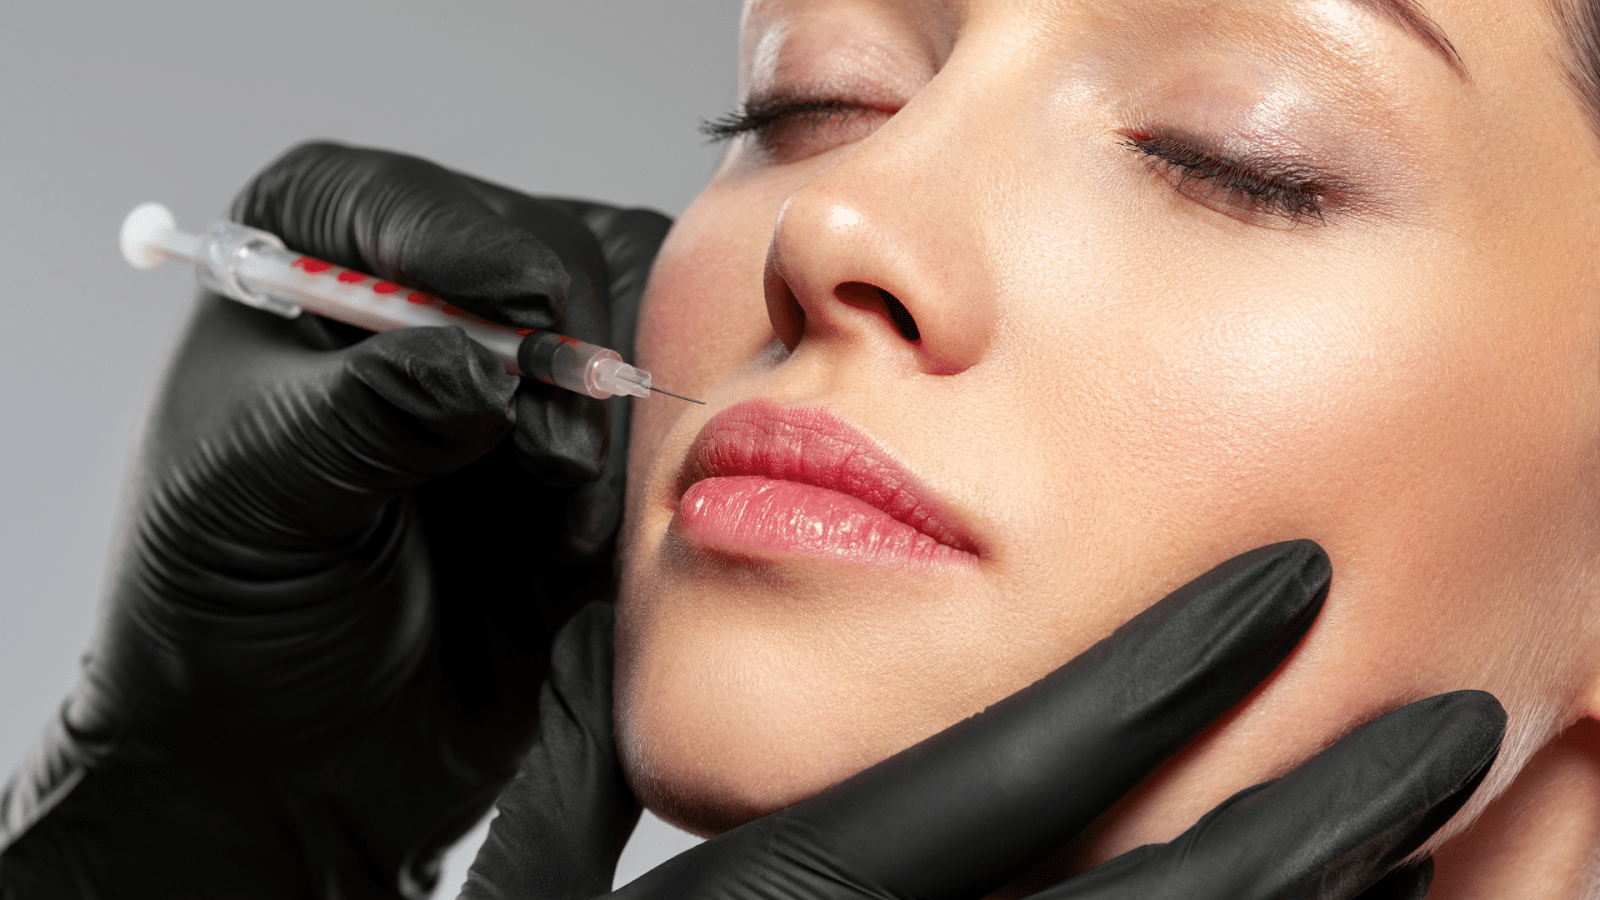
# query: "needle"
[[679, 396]]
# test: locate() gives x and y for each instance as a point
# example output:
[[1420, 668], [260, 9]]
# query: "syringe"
[[254, 267]]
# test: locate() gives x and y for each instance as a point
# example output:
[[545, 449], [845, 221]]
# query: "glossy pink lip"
[[761, 477]]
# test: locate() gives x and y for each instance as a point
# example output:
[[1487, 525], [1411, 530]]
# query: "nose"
[[884, 250]]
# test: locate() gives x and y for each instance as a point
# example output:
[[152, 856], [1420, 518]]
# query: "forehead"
[[1510, 54], [1420, 18]]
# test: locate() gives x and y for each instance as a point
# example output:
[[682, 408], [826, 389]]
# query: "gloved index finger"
[[1332, 827], [410, 221], [964, 811]]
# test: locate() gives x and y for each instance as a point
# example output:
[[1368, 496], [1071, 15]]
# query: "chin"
[[715, 770], [707, 801], [719, 724]]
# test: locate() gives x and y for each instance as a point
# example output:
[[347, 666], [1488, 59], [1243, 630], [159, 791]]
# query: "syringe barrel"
[[282, 281], [254, 267], [564, 361]]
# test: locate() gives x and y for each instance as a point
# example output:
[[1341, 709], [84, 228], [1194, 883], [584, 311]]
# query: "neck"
[[1541, 838]]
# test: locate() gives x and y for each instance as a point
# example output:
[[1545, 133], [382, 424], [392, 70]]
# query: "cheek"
[[703, 315], [1431, 424], [1381, 385]]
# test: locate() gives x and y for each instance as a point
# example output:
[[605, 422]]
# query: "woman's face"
[[1013, 315]]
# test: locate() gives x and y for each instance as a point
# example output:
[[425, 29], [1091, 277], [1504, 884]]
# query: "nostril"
[[901, 317], [880, 303], [784, 311]]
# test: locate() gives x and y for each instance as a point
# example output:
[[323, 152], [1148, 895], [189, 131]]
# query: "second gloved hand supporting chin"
[[964, 813]]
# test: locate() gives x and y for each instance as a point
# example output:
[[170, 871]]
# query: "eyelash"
[[1287, 191], [773, 122], [763, 117]]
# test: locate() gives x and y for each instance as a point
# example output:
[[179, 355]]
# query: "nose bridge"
[[902, 213]]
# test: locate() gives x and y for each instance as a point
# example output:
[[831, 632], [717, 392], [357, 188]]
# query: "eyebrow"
[[1411, 17]]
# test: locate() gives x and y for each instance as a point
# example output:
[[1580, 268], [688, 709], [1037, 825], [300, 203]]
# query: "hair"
[[1579, 22]]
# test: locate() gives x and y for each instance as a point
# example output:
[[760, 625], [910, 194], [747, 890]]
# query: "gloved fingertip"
[[1454, 758], [589, 522], [487, 266], [1472, 725], [561, 437], [446, 387]]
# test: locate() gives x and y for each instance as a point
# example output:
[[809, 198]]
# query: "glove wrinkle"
[[569, 790], [374, 422], [307, 197], [562, 438], [410, 221], [343, 446], [233, 691], [49, 772]]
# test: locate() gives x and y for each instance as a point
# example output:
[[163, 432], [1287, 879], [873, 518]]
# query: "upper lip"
[[809, 445]]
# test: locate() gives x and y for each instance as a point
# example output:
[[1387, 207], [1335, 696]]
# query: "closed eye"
[[791, 128], [1248, 185]]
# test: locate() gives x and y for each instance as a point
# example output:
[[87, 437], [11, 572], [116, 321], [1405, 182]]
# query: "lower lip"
[[753, 515]]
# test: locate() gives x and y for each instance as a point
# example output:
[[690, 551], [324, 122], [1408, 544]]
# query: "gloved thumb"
[[563, 820]]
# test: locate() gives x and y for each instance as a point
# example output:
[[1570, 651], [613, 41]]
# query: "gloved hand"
[[329, 612], [961, 814]]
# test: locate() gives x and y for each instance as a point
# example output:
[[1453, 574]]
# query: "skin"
[[1123, 380]]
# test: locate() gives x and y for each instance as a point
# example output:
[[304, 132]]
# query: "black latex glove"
[[964, 812], [331, 603]]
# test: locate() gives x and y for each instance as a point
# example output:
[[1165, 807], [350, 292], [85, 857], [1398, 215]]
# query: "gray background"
[[106, 105]]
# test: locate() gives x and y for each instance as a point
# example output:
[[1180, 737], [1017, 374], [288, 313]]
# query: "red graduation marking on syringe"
[[349, 276]]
